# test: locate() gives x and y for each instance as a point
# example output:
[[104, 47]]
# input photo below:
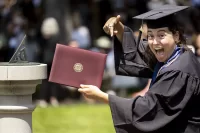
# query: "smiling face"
[[162, 42]]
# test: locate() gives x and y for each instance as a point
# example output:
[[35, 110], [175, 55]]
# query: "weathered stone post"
[[18, 82]]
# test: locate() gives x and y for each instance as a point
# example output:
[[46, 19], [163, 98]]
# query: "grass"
[[76, 118]]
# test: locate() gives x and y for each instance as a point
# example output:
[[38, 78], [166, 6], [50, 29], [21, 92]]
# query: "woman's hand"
[[114, 27], [93, 92]]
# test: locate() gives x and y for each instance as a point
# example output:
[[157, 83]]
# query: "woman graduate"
[[172, 104]]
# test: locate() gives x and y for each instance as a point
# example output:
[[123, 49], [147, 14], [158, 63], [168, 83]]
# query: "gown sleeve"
[[163, 103], [130, 59]]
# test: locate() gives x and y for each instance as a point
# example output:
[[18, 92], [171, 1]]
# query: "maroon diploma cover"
[[74, 66]]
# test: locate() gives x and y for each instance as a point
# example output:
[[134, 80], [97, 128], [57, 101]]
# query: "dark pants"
[[49, 89]]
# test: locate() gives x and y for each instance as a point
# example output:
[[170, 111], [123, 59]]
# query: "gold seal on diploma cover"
[[78, 67]]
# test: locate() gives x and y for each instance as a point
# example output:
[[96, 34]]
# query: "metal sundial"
[[20, 54], [19, 58]]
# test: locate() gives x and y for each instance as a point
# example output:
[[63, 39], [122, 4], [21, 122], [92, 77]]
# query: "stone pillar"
[[17, 84]]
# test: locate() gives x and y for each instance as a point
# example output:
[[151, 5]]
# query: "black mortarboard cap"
[[161, 16]]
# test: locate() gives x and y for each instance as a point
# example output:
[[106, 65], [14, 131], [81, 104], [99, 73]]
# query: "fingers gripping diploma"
[[93, 92]]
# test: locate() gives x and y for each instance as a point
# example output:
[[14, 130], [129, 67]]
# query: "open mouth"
[[159, 50]]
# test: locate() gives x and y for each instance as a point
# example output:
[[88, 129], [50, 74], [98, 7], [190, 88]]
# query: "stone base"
[[17, 84], [16, 123]]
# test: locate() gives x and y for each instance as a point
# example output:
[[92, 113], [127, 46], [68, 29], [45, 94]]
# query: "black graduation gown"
[[172, 105]]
